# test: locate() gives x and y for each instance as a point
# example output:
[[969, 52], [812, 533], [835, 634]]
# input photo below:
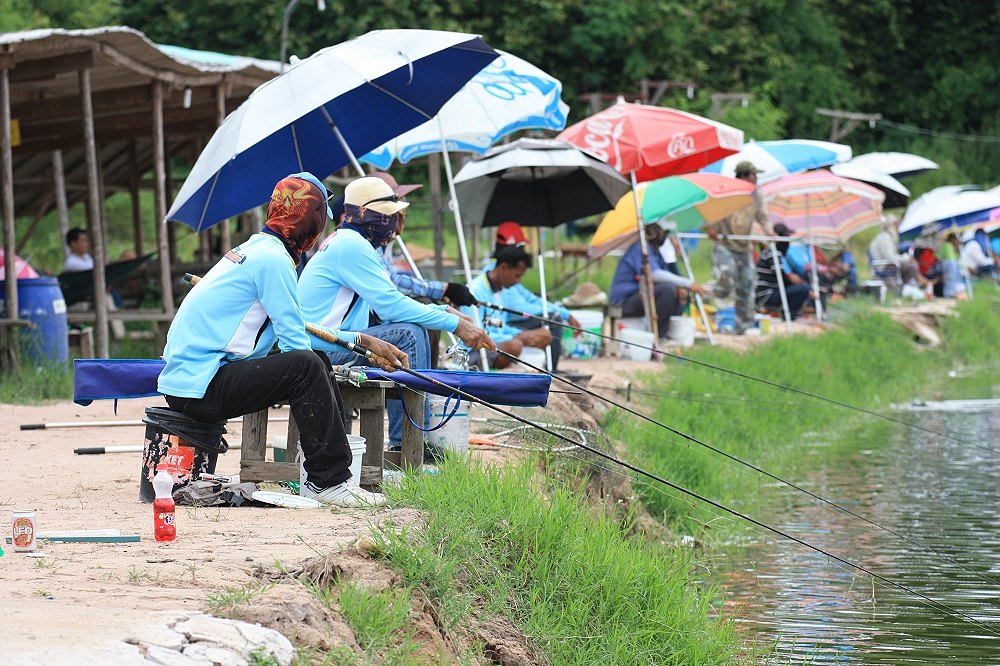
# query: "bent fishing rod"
[[687, 359], [369, 355], [691, 438], [933, 603]]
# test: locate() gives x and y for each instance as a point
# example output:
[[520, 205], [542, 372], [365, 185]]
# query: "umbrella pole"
[[545, 301], [812, 262], [780, 274], [697, 297], [341, 141], [646, 284], [460, 229]]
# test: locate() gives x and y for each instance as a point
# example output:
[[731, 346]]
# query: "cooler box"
[[586, 345]]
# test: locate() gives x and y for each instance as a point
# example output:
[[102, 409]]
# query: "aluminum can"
[[23, 531]]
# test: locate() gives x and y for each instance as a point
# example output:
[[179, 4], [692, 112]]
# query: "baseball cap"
[[399, 190], [510, 233], [745, 168]]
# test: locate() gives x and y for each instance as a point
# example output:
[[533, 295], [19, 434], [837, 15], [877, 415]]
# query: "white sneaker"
[[344, 495]]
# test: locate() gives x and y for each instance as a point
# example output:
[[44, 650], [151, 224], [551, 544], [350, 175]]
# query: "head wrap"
[[377, 227], [297, 213]]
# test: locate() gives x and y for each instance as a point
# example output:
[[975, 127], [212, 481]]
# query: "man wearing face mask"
[[346, 280], [768, 292], [217, 357]]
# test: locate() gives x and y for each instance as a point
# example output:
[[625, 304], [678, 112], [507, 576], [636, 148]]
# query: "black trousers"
[[301, 378], [666, 302]]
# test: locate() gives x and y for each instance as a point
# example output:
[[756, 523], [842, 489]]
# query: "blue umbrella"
[[780, 158], [342, 101]]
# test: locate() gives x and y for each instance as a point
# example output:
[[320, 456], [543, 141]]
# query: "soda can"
[[23, 531]]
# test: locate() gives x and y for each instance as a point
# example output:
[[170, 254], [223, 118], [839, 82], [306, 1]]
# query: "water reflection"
[[936, 491]]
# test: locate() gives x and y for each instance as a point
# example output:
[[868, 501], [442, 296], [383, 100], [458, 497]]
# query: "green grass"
[[867, 360], [526, 547]]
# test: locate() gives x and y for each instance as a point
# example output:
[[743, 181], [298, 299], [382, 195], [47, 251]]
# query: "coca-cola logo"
[[680, 144], [603, 131]]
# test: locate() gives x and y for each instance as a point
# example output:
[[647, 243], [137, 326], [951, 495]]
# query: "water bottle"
[[163, 507]]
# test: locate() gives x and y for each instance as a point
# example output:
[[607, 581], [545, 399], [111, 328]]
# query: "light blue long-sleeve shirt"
[[346, 280], [411, 285], [484, 293], [522, 299], [239, 309]]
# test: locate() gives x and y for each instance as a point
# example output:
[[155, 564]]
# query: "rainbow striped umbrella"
[[818, 203], [689, 201]]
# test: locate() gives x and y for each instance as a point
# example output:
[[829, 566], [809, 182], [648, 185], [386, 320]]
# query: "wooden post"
[[160, 191], [59, 183], [437, 218], [94, 213], [133, 188], [225, 227], [9, 237]]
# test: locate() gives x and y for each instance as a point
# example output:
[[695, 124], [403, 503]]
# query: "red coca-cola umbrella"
[[653, 142], [650, 142]]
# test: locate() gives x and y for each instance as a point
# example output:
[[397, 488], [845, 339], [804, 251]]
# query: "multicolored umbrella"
[[689, 201], [949, 206], [819, 203], [780, 158], [651, 141]]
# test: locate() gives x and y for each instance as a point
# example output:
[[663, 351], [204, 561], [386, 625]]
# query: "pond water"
[[937, 492]]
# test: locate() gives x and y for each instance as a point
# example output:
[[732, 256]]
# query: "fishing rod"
[[357, 349], [687, 359], [369, 355], [691, 438]]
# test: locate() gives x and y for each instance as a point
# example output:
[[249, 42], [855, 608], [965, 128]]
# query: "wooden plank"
[[268, 471], [365, 397], [413, 438], [160, 172], [10, 338], [254, 442], [372, 428], [121, 315], [95, 209], [46, 68]]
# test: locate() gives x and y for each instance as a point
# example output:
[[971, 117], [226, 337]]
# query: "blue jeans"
[[412, 341]]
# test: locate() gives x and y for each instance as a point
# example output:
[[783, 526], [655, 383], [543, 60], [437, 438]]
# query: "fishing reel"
[[456, 355], [353, 376], [492, 322]]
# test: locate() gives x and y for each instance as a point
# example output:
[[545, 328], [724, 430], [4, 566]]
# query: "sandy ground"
[[82, 596]]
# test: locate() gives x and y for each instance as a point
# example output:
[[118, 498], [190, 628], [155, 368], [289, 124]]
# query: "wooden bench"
[[82, 339], [160, 319], [369, 399]]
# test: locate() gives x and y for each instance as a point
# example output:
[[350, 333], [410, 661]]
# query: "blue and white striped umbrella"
[[508, 95], [780, 158]]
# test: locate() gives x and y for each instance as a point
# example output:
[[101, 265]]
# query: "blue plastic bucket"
[[725, 319], [40, 301]]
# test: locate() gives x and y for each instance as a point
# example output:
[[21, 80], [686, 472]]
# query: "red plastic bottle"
[[163, 507]]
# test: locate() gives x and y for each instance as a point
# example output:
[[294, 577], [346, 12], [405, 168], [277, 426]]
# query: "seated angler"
[[346, 281], [218, 364]]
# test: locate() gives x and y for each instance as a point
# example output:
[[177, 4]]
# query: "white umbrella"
[[316, 116], [898, 165], [949, 206], [896, 194]]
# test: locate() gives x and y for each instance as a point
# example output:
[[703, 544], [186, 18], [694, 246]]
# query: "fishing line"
[[736, 373], [691, 438]]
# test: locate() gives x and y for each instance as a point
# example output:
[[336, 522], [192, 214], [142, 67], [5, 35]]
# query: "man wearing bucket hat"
[[732, 258], [347, 280], [217, 360]]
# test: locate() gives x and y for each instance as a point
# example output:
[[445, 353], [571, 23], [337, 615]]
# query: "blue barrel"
[[40, 301]]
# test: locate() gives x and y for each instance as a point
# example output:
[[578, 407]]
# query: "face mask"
[[377, 227]]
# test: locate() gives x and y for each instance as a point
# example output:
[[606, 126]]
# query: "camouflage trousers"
[[735, 272]]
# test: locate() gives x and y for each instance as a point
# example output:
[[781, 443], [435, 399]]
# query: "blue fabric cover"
[[515, 390], [113, 379]]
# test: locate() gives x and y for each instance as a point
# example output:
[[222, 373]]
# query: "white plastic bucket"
[[454, 435], [681, 331], [532, 355], [358, 448], [636, 345]]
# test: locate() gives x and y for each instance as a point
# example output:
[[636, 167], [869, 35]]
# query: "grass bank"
[[867, 360], [506, 542]]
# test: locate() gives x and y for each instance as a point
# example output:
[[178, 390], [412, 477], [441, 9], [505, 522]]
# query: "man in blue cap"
[[217, 357]]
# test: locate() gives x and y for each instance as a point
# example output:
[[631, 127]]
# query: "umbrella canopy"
[[651, 141], [689, 201], [538, 183], [948, 206], [897, 165], [508, 95], [342, 101], [896, 194], [819, 203], [780, 158], [22, 269]]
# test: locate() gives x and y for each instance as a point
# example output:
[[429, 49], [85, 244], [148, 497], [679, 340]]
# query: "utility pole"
[[837, 132]]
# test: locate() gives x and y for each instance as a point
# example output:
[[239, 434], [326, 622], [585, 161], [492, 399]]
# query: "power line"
[[913, 129]]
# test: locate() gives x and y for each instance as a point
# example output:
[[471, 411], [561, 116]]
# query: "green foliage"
[[35, 383], [584, 591]]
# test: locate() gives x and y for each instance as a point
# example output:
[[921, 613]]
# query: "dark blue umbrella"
[[342, 101]]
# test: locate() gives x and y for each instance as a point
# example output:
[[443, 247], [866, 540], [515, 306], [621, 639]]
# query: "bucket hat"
[[375, 194]]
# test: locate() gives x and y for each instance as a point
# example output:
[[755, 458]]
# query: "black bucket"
[[183, 447]]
